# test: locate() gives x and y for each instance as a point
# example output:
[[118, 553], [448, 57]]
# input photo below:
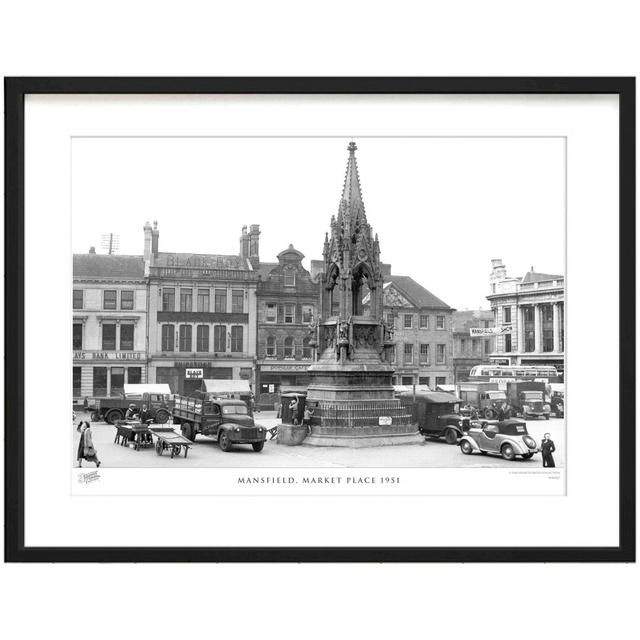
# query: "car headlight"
[[259, 429], [237, 428], [530, 442], [546, 407], [460, 423]]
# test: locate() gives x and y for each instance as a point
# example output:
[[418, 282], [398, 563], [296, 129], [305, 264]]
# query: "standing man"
[[547, 448]]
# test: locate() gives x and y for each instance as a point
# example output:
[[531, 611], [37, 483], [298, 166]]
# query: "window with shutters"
[[168, 333], [220, 338]]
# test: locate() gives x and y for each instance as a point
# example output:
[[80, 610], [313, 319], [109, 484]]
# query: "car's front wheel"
[[450, 436], [507, 452], [466, 447]]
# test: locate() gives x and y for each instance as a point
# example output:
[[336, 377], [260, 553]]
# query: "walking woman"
[[547, 447], [86, 450]]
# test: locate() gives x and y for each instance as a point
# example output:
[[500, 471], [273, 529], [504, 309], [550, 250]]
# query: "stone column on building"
[[556, 327], [537, 328], [520, 321]]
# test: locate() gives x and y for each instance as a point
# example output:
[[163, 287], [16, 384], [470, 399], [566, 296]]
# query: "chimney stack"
[[92, 250], [155, 235], [498, 270]]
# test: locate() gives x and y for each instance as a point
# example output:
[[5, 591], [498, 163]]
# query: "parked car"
[[508, 438], [556, 399], [438, 415]]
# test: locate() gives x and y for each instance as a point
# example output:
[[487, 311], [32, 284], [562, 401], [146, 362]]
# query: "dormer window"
[[289, 278]]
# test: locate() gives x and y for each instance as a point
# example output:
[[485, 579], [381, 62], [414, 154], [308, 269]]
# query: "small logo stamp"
[[90, 476]]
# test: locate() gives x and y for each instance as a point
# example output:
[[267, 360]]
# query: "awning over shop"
[[400, 388], [227, 386], [139, 389]]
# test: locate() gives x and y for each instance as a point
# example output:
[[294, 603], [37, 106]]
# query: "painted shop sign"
[[108, 355], [194, 373], [285, 367], [489, 331]]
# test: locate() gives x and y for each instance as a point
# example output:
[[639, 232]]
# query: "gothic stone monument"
[[350, 384]]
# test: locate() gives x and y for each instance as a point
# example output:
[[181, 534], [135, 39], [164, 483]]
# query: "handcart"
[[169, 439], [133, 432]]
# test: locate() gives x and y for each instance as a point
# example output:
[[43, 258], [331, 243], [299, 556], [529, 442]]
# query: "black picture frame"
[[15, 91]]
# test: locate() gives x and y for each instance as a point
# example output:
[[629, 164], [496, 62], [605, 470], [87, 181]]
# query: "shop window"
[[424, 380], [117, 380], [237, 301], [78, 299], [99, 381], [408, 353], [289, 312], [439, 322], [288, 347], [203, 300], [202, 338], [407, 380], [424, 322], [424, 354], [186, 299], [220, 300], [77, 336], [271, 347], [306, 349], [237, 339], [168, 299], [440, 354], [185, 337], [108, 337], [77, 381], [220, 339], [126, 299], [168, 334], [126, 337], [110, 299], [134, 375], [408, 321], [441, 380]]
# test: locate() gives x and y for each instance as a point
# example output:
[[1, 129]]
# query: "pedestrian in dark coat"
[[86, 450], [547, 447]]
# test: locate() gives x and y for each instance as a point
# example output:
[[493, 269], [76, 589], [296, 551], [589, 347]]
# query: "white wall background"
[[334, 38]]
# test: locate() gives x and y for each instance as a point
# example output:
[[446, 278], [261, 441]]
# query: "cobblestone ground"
[[206, 453]]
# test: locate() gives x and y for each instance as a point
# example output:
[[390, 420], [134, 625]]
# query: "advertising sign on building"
[[478, 332], [194, 374]]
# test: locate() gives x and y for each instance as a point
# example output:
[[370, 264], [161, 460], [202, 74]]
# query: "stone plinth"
[[290, 435]]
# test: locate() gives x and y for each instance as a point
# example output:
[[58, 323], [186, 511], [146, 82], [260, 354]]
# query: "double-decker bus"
[[511, 373]]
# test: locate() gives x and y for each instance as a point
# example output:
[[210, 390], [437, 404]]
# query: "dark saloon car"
[[437, 414], [508, 438]]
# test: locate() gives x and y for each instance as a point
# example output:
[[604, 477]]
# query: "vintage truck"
[[157, 397], [485, 397], [226, 420], [437, 414], [527, 399]]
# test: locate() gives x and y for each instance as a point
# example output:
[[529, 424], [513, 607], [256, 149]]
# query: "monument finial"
[[352, 147]]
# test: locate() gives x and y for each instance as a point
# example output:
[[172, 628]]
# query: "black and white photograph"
[[319, 302]]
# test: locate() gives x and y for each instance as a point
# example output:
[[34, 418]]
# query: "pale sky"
[[442, 207]]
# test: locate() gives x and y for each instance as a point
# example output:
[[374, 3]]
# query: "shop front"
[[186, 376], [100, 374], [273, 377]]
